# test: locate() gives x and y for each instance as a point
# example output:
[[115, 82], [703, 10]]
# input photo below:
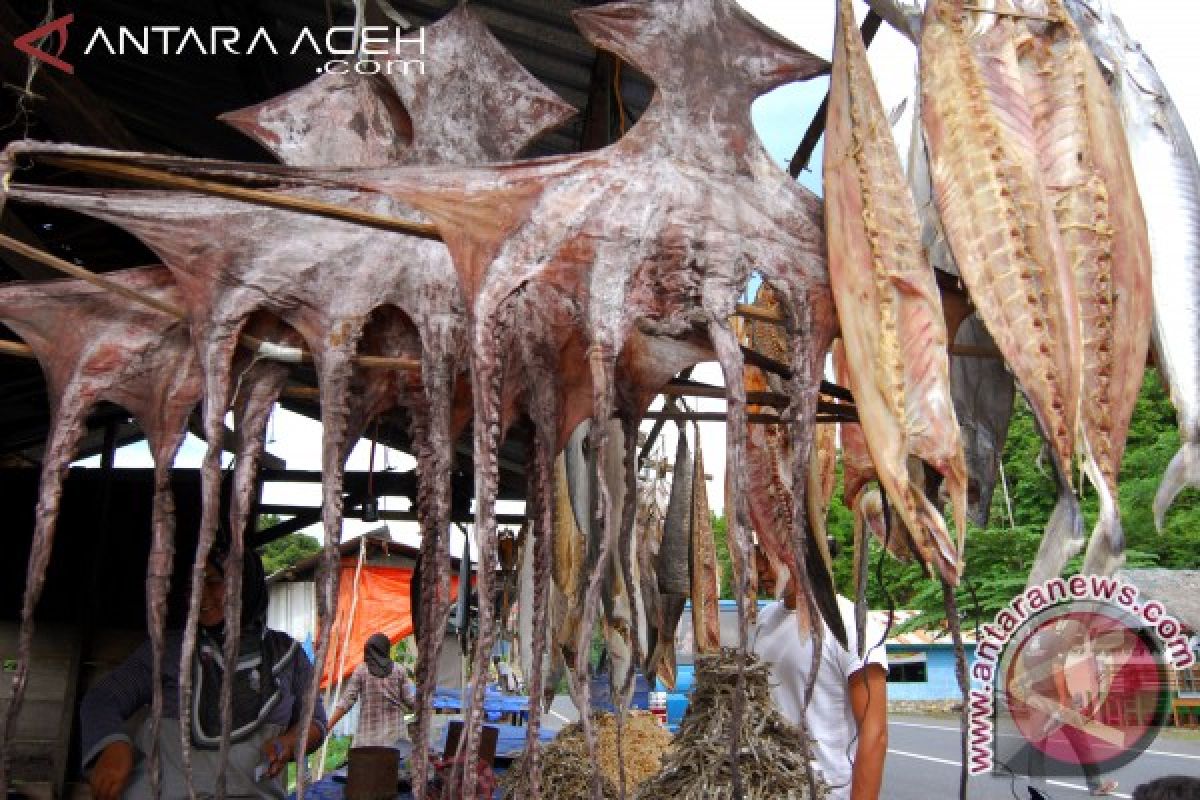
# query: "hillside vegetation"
[[999, 556]]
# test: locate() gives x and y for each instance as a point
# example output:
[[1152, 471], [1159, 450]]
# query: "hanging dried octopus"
[[93, 346], [327, 278], [655, 235]]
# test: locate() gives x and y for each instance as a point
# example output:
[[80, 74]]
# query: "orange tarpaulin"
[[384, 606]]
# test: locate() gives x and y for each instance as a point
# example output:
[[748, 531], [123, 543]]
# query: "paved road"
[[923, 763]]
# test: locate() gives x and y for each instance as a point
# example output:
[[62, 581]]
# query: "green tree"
[[286, 551], [720, 529]]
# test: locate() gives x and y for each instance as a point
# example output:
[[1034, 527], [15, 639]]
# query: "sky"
[[1165, 28]]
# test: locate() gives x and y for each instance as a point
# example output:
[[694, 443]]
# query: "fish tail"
[[1183, 472], [1106, 549], [1063, 537]]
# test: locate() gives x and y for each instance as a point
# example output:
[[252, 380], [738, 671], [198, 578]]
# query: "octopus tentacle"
[[260, 386], [65, 432], [217, 358], [733, 365], [158, 584], [334, 365], [487, 372], [628, 532], [602, 366], [434, 456], [806, 347], [543, 531]]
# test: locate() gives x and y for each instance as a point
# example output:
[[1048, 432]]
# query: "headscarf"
[[260, 658], [377, 655]]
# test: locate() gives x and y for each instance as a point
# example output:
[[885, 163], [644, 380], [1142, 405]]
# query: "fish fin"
[[1183, 472], [824, 590]]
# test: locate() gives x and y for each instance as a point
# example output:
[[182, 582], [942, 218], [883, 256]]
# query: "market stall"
[[518, 319]]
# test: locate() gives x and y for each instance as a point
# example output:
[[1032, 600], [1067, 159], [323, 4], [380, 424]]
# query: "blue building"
[[924, 672], [921, 665]]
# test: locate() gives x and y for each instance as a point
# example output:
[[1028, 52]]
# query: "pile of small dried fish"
[[774, 754], [566, 769]]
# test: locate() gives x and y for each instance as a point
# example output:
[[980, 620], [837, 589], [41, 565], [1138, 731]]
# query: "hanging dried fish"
[[990, 194], [891, 316], [1090, 185], [672, 567], [706, 579]]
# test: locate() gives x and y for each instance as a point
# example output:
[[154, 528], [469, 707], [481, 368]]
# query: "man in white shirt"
[[847, 718]]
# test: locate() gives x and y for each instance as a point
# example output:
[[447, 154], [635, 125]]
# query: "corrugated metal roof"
[[914, 637], [1177, 589]]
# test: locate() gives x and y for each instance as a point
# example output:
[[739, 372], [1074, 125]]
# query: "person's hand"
[[278, 751], [111, 771]]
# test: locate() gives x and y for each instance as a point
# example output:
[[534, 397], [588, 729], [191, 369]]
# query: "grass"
[[335, 756]]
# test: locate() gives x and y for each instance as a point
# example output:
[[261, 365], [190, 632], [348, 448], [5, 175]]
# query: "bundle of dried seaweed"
[[566, 768], [772, 755]]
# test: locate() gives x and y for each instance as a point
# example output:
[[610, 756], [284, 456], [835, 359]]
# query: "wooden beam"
[[804, 152], [392, 516], [759, 314], [827, 411], [27, 268], [694, 389], [297, 523], [15, 349]]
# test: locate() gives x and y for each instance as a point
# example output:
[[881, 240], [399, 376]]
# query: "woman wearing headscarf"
[[387, 693], [270, 678]]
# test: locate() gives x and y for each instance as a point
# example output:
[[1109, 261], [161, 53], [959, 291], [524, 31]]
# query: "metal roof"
[[1177, 589]]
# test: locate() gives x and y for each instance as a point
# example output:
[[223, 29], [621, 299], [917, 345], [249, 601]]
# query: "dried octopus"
[[94, 346], [655, 234], [622, 260], [302, 270]]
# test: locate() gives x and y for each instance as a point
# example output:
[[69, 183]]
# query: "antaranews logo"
[[1072, 674], [31, 43]]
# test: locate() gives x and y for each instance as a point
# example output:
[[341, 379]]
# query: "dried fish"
[[565, 761], [892, 323], [773, 755]]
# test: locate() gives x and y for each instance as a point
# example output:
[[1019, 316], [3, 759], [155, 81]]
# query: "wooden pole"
[[169, 180], [755, 419], [808, 144]]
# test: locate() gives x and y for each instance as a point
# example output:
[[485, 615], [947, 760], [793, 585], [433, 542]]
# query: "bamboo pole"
[[16, 349], [84, 274], [156, 177]]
